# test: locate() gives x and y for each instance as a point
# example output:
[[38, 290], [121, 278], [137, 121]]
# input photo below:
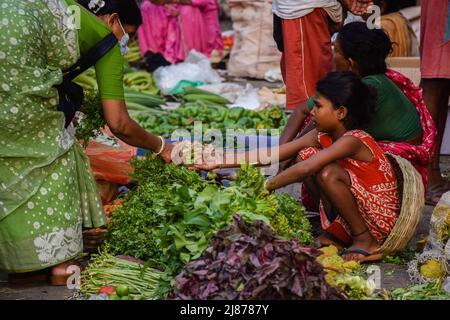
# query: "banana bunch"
[[141, 81], [134, 53], [87, 80]]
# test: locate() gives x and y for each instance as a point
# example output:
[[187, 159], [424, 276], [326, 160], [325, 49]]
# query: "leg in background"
[[436, 94]]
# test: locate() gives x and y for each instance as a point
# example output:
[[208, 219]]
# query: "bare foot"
[[325, 240], [60, 274], [365, 243]]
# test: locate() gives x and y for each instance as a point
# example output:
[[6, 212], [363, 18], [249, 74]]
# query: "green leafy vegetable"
[[172, 214], [92, 120]]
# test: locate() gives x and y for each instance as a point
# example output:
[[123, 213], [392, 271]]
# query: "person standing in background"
[[435, 73], [302, 30], [172, 28]]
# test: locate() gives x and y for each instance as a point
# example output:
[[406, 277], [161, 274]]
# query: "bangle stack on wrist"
[[163, 144]]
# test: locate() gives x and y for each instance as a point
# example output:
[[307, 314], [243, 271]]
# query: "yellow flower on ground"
[[433, 269], [352, 265], [329, 251]]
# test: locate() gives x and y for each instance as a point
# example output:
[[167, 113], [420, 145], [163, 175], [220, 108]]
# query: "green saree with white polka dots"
[[47, 190]]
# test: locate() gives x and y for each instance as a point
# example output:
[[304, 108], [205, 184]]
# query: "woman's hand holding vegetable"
[[166, 154]]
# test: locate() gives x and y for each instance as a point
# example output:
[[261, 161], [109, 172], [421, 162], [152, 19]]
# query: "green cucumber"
[[203, 97]]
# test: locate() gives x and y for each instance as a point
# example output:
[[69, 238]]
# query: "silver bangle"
[[163, 144]]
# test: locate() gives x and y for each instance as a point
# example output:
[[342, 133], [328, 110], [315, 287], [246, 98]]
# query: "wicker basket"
[[412, 204]]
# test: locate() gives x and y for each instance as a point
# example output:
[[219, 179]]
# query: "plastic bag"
[[273, 75], [108, 191], [228, 90], [438, 243], [197, 67], [111, 164], [268, 98], [439, 238], [248, 99], [179, 88], [254, 50]]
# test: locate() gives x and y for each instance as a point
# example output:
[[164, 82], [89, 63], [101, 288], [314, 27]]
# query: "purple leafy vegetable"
[[248, 261]]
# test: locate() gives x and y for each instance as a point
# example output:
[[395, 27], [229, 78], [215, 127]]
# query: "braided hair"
[[367, 47]]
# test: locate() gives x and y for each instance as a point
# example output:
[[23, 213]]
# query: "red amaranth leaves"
[[248, 261]]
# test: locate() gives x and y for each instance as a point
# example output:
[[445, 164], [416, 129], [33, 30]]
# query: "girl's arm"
[[294, 123], [263, 156], [342, 148]]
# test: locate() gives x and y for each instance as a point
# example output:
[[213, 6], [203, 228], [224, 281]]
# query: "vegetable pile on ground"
[[209, 109], [144, 105], [345, 275], [172, 214], [122, 279], [428, 291], [248, 261], [141, 81]]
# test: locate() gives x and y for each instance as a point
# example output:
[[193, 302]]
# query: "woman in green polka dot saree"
[[47, 191]]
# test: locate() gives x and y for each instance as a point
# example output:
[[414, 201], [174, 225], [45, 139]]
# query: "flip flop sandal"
[[368, 257]]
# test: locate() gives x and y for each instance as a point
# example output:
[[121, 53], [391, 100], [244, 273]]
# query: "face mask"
[[123, 43]]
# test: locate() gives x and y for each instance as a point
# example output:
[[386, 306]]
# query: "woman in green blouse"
[[364, 52], [47, 190]]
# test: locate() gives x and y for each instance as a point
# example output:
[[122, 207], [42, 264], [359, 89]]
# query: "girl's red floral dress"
[[374, 186]]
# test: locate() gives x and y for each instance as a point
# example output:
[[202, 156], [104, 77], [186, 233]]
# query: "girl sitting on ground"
[[343, 166]]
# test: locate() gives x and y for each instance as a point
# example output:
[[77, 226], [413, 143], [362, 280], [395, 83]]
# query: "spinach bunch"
[[172, 214]]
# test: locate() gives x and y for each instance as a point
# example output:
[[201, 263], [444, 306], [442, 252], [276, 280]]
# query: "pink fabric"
[[435, 54], [421, 155], [174, 30], [212, 25]]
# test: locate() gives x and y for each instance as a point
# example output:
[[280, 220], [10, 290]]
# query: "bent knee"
[[332, 173], [298, 159]]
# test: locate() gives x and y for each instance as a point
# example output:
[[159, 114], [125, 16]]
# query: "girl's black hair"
[[128, 10], [346, 89], [368, 47]]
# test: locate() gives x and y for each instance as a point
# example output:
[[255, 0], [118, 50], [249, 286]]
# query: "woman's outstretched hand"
[[206, 166]]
